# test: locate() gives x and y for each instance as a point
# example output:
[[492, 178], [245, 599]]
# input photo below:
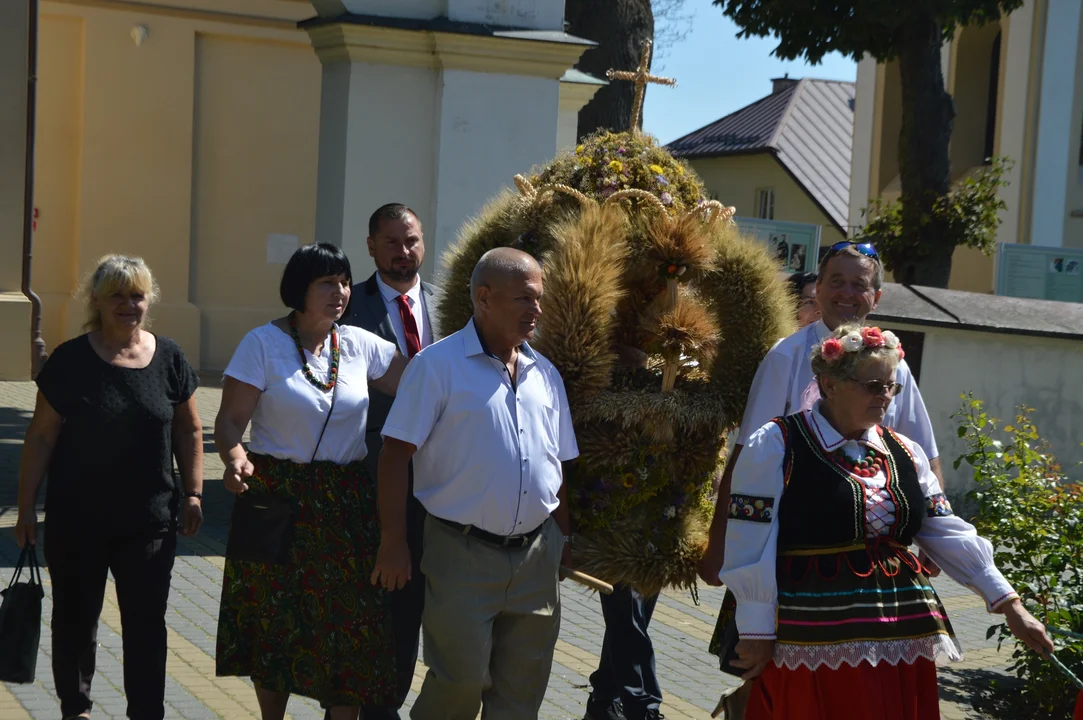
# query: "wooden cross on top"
[[641, 76]]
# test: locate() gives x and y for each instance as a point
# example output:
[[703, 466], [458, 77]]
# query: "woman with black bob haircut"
[[311, 624]]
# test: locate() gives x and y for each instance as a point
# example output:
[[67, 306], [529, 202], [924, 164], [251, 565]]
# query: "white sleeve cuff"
[[994, 587], [756, 620]]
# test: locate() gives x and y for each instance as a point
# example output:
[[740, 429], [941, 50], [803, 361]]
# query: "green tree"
[[913, 32]]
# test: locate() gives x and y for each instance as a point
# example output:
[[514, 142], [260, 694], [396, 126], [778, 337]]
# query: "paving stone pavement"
[[680, 629]]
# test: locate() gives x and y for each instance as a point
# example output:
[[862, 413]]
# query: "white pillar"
[[435, 115], [862, 148], [576, 90], [1015, 99], [1055, 128], [14, 307]]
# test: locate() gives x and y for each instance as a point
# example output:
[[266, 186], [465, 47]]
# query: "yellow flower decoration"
[[680, 169], [656, 169], [589, 162], [629, 480], [616, 166]]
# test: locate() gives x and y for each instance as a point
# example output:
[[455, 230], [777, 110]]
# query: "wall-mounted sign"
[[1039, 272], [795, 245]]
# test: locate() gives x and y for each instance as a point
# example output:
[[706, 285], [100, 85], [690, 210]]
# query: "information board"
[[1039, 272], [796, 245]]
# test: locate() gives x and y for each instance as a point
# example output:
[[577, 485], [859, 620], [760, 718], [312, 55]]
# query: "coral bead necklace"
[[868, 466], [332, 375]]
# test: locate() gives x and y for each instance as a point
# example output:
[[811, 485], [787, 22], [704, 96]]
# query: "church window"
[[765, 203]]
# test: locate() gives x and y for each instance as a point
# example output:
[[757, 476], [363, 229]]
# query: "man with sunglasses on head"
[[848, 286]]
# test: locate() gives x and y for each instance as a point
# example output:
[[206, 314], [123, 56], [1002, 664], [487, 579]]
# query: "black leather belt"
[[511, 542]]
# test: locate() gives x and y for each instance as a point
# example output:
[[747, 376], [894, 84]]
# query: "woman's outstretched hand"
[[1025, 627]]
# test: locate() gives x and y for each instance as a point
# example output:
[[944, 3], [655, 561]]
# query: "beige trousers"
[[490, 625]]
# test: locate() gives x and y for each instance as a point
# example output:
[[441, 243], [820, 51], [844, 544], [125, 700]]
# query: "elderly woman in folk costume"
[[837, 619]]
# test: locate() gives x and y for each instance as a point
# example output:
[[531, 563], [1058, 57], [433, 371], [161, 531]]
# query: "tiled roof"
[[808, 126]]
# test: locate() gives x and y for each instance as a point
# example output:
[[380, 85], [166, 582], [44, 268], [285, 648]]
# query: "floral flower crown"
[[832, 349]]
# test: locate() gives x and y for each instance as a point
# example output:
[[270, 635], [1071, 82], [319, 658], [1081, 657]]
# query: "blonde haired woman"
[[114, 407]]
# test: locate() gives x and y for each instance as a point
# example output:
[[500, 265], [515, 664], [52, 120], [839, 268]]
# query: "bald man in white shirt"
[[486, 420]]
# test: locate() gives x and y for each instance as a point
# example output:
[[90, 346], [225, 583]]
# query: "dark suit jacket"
[[367, 311]]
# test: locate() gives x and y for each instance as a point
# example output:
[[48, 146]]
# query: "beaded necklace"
[[868, 466], [332, 375]]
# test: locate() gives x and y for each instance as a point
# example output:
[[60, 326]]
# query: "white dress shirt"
[[488, 453], [416, 298], [782, 382], [291, 411], [751, 547]]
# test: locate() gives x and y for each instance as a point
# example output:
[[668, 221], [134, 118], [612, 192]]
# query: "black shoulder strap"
[[334, 392]]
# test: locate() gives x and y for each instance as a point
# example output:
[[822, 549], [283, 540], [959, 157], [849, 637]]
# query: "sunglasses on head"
[[865, 249], [877, 387]]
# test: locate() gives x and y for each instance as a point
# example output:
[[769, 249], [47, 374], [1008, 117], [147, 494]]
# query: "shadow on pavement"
[[965, 686]]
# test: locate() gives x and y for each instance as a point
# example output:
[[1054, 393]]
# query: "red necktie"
[[409, 326]]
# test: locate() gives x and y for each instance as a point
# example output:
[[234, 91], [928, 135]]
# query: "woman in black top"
[[114, 407]]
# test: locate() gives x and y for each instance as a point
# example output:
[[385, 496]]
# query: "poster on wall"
[[795, 245], [1041, 273]]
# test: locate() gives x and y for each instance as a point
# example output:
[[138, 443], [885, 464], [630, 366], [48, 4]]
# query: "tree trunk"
[[924, 163], [619, 27]]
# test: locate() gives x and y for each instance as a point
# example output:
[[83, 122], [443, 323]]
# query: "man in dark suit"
[[394, 304]]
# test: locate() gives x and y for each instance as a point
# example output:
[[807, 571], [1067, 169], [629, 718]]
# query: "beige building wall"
[[186, 137], [735, 180], [966, 72], [1003, 371], [189, 134]]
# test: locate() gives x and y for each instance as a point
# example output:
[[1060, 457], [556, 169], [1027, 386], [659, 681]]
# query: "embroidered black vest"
[[823, 506]]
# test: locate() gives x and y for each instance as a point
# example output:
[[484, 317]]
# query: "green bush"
[[1033, 515], [970, 213]]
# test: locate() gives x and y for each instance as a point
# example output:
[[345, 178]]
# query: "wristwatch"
[[197, 496]]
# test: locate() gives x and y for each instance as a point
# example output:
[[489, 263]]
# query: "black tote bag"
[[20, 621]]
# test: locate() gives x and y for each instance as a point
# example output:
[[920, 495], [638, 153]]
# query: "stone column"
[[1053, 168], [15, 348], [424, 103], [1017, 101]]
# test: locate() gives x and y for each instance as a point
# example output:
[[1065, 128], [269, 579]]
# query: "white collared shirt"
[[488, 453], [416, 298], [751, 547], [784, 378]]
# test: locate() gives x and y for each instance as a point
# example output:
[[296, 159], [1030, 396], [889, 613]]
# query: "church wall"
[[972, 271], [1004, 371], [970, 89], [187, 149], [254, 176], [58, 153], [734, 181]]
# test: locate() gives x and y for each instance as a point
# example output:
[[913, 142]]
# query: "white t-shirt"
[[291, 411]]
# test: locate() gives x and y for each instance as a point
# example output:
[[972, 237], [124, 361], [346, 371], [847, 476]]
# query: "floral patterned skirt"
[[314, 625]]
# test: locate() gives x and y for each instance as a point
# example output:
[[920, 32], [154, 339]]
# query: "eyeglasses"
[[865, 249], [878, 387]]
